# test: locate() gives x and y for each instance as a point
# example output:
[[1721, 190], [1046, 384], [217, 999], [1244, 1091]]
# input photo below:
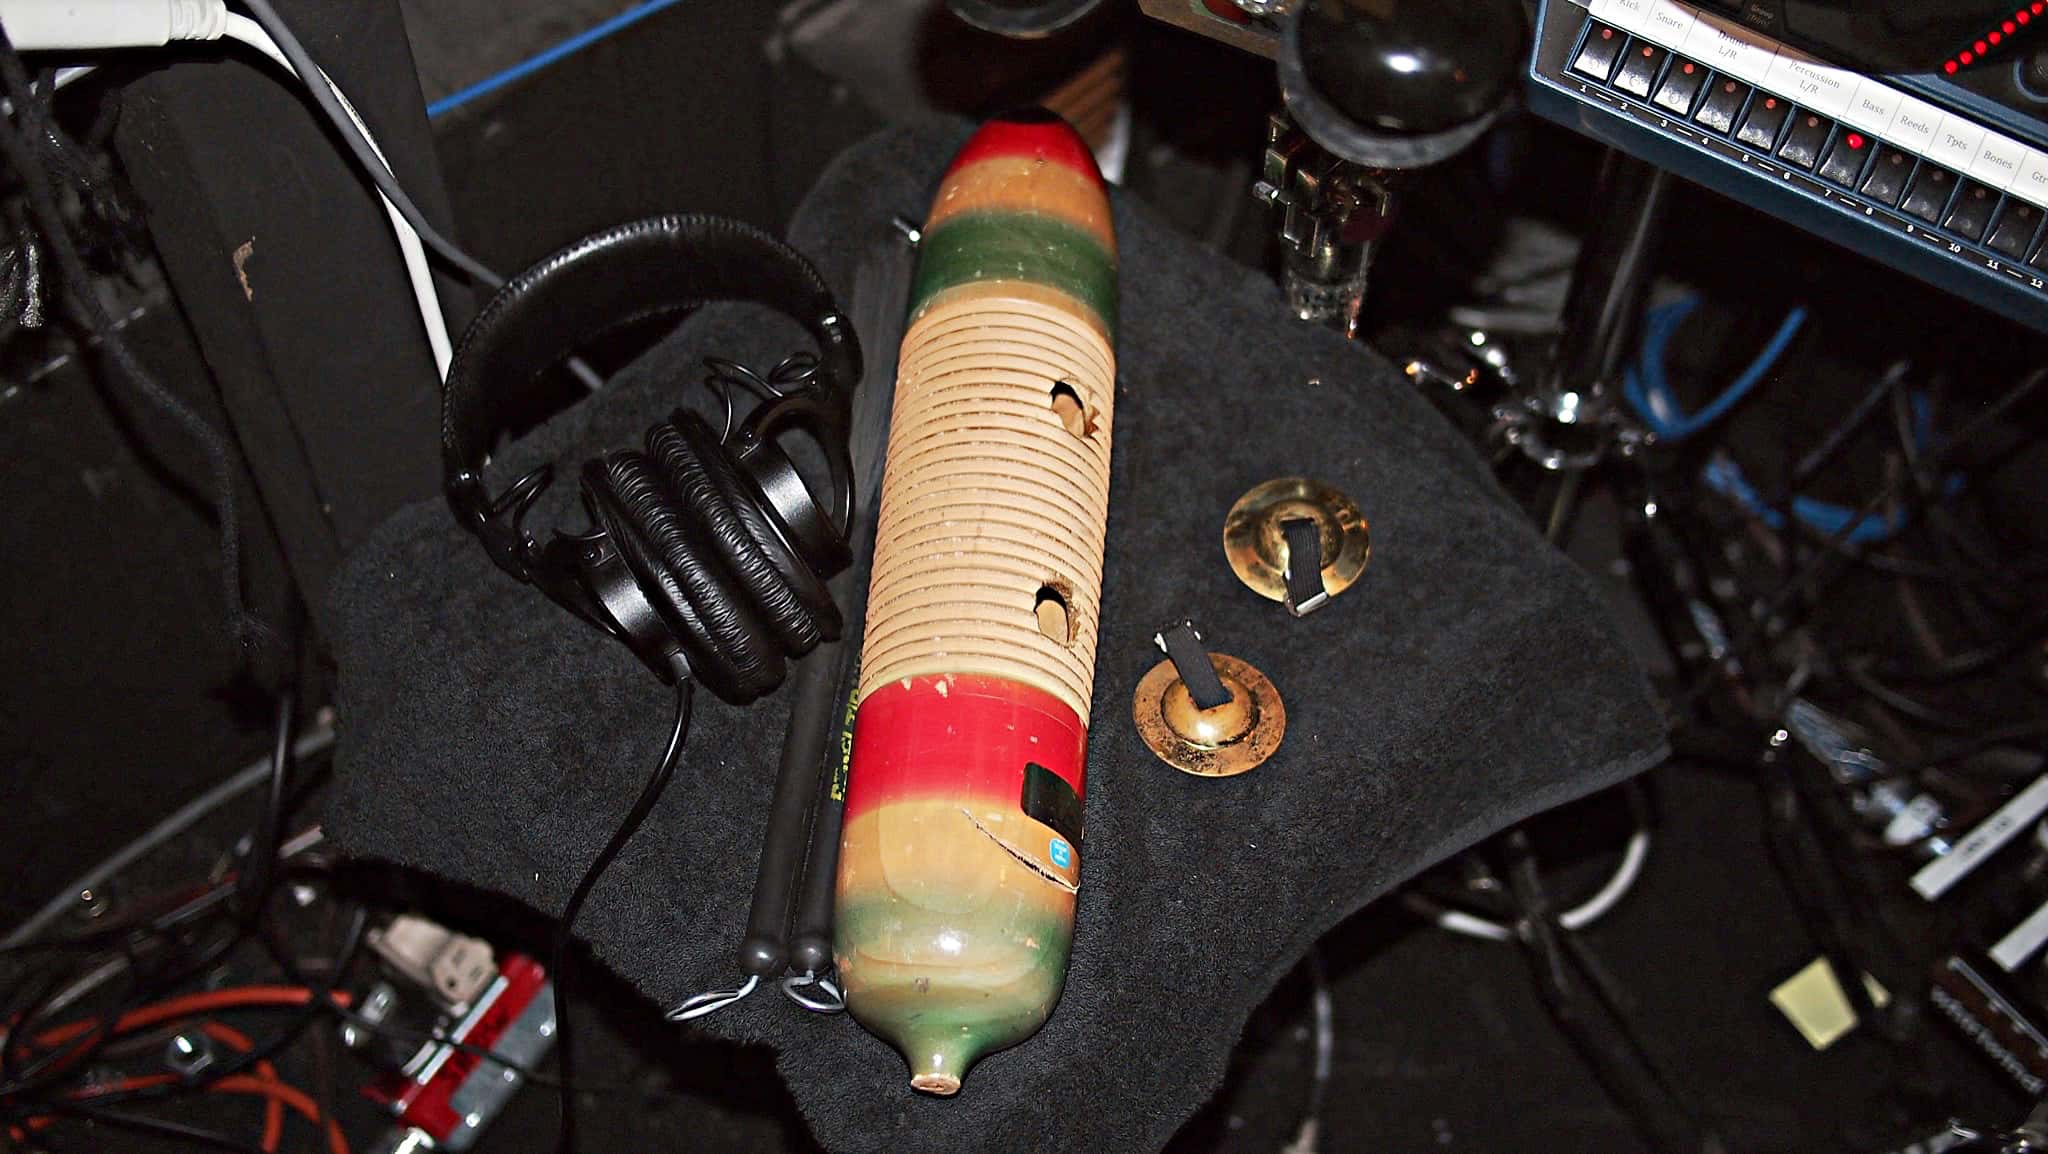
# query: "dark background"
[[122, 697]]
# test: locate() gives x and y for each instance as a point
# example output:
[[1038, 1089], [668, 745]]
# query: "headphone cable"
[[657, 783]]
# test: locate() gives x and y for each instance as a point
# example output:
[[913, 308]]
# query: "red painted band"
[[1050, 140], [971, 739]]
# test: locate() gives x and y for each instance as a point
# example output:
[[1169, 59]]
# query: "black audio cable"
[[366, 156], [253, 888], [16, 137], [2029, 632], [155, 1127], [1818, 569], [1619, 1060], [657, 783], [380, 174], [2019, 734], [319, 1003]]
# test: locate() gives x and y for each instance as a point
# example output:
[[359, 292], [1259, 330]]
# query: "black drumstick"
[[881, 294], [800, 850]]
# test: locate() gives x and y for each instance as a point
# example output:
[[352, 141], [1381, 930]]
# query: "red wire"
[[278, 1094], [190, 1005], [291, 1096], [273, 1110]]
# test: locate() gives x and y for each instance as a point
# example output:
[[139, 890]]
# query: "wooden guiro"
[[961, 855]]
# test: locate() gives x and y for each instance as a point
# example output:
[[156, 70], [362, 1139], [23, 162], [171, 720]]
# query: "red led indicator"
[[1770, 102], [1728, 87], [1966, 58], [1982, 48], [1994, 37], [2008, 27], [1607, 34], [1855, 140], [1950, 67], [1688, 68], [2022, 17], [1649, 52], [2038, 6]]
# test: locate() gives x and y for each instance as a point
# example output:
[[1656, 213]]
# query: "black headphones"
[[707, 551]]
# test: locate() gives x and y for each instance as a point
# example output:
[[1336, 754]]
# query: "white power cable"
[[43, 25], [1323, 1006], [1626, 873], [246, 31]]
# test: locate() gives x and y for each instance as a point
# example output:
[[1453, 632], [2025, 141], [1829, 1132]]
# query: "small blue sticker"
[[1061, 853]]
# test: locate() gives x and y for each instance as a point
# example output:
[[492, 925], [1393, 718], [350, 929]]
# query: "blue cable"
[[1648, 391], [1659, 411], [1725, 477], [535, 63], [1753, 375]]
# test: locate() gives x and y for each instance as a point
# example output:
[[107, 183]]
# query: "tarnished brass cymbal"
[[1221, 742], [1256, 545]]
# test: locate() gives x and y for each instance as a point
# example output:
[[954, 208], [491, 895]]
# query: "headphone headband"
[[661, 265]]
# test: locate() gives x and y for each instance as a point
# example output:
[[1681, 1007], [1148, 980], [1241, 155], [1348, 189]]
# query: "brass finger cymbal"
[[1256, 543], [1225, 741]]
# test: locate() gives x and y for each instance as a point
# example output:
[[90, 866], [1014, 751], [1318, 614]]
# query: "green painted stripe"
[[959, 1023], [925, 1022], [994, 246], [878, 914]]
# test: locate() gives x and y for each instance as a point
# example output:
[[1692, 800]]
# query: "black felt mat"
[[1468, 680]]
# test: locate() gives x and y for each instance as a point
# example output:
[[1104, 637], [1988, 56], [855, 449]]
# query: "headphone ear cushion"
[[720, 500], [664, 596], [685, 524], [707, 560], [726, 650]]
